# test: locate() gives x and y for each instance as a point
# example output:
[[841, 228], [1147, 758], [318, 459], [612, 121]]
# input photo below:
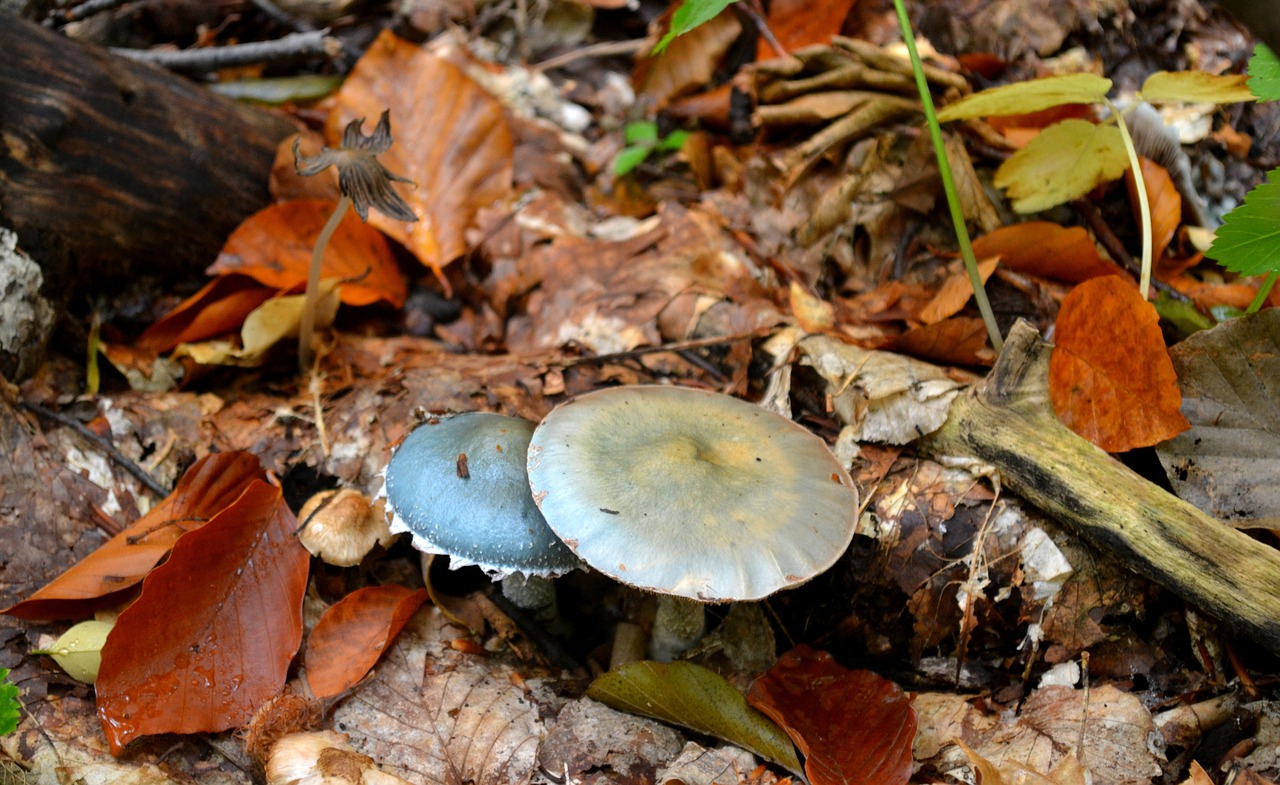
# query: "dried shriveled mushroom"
[[691, 493], [458, 485], [342, 526]]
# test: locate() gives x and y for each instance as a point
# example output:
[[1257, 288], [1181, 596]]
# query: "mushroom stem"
[[678, 624], [308, 323], [532, 593]]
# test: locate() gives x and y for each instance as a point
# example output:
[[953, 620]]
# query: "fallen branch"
[[294, 45], [1008, 422]]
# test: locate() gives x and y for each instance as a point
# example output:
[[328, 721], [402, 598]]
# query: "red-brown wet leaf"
[[1164, 200], [452, 140], [798, 23], [852, 726], [212, 633], [273, 246], [1047, 249], [217, 309], [353, 634], [208, 487], [1110, 376]]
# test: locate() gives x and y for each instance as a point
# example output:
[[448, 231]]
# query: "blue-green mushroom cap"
[[459, 486]]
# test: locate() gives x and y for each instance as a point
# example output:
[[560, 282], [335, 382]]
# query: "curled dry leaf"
[[213, 631], [353, 634], [1110, 376], [688, 62], [452, 139], [273, 246], [852, 726], [208, 487], [954, 293], [1164, 200], [217, 309]]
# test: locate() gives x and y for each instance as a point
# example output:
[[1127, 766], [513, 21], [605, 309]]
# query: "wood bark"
[[1007, 421], [111, 170]]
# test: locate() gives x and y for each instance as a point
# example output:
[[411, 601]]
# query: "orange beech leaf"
[[217, 309], [1110, 377], [353, 634], [273, 246], [798, 23], [452, 139], [210, 637], [209, 486], [960, 340], [1048, 250], [813, 313], [852, 726], [1206, 294], [954, 293], [1164, 200]]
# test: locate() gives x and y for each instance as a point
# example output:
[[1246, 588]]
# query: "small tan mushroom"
[[342, 526]]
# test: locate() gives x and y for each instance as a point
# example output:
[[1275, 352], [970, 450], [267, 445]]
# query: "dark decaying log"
[[112, 170], [1008, 422]]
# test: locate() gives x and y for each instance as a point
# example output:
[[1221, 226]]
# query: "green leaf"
[[694, 697], [79, 650], [1249, 240], [630, 158], [1195, 87], [1181, 314], [1065, 161], [1264, 74], [640, 131], [9, 705], [689, 16], [674, 140], [1031, 96]]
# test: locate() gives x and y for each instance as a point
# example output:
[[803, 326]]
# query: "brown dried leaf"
[[688, 62], [353, 633]]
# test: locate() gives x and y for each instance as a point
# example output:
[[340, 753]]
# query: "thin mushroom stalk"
[[364, 183]]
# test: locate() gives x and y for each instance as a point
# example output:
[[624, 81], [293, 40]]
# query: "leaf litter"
[[948, 581]]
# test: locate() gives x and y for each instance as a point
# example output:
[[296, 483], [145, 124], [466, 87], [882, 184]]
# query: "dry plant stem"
[[294, 45], [1144, 206], [1007, 421], [948, 184], [307, 327]]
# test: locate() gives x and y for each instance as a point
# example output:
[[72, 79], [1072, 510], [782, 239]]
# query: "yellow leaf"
[[1032, 96], [1065, 161], [79, 650], [267, 325], [1195, 87]]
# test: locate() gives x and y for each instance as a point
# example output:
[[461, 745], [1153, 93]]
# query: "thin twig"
[[90, 8], [604, 49], [679, 346], [278, 15], [213, 58], [137, 471]]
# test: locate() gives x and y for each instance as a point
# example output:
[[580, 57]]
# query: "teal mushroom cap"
[[691, 493], [458, 485]]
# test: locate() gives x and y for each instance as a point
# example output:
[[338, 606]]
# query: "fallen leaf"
[[954, 293], [587, 738], [1063, 162], [78, 651], [689, 61], [1110, 376], [213, 631], [959, 340], [264, 327], [1030, 96], [217, 309], [434, 715], [852, 726], [798, 23], [1227, 463], [812, 313], [1196, 87], [353, 633], [273, 246], [452, 139], [211, 484], [1046, 249], [1163, 200], [694, 697]]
